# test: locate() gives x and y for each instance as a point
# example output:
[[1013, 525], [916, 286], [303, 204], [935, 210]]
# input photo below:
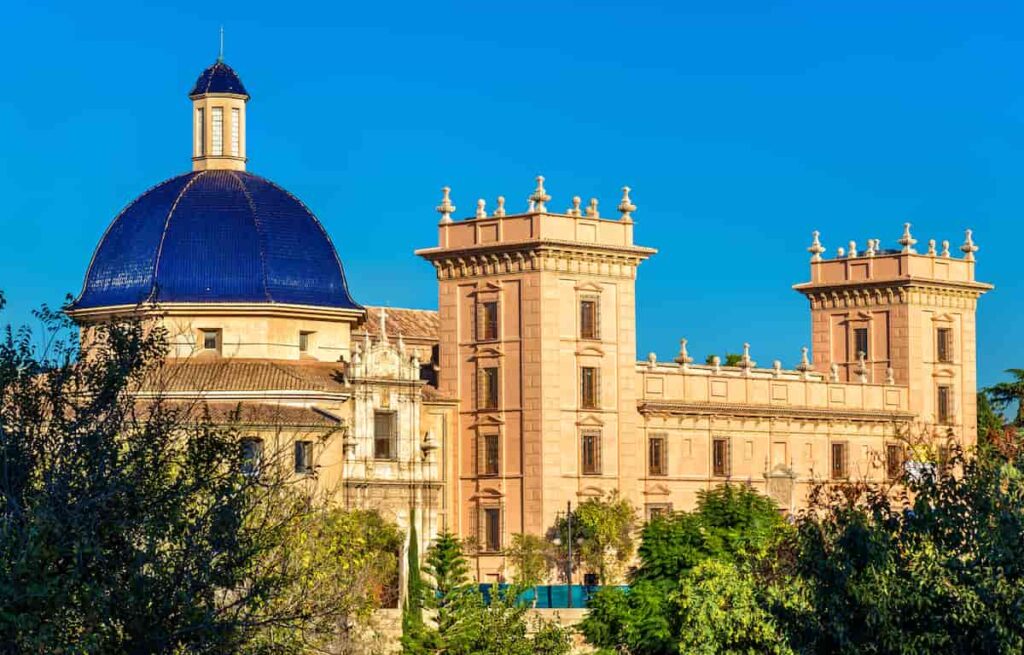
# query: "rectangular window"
[[488, 326], [492, 529], [590, 396], [252, 455], [488, 388], [303, 456], [384, 433], [944, 405], [200, 132], [235, 132], [657, 456], [218, 131], [589, 315], [860, 343], [488, 454], [656, 510], [211, 340], [720, 457], [893, 461], [304, 341], [839, 451], [591, 453], [944, 344]]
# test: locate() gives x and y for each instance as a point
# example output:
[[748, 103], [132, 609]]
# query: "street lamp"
[[558, 542]]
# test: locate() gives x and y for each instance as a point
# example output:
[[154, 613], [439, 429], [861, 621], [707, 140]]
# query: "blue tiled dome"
[[219, 78], [215, 236]]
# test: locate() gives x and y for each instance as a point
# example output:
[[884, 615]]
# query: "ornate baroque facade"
[[523, 391]]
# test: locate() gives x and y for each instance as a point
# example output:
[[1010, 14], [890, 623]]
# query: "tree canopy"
[[130, 526]]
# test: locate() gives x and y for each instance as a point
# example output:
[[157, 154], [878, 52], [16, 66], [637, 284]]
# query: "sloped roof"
[[410, 323], [228, 374]]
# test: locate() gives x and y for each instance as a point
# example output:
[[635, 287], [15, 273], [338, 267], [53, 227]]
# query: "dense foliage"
[[933, 565], [602, 536], [465, 623], [731, 526], [141, 527]]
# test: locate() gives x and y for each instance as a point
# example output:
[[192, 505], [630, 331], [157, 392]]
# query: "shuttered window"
[[490, 524], [944, 344], [893, 461], [590, 452], [944, 409], [590, 317], [488, 455], [590, 387], [839, 461], [487, 396], [657, 455], [252, 455], [720, 457], [487, 321]]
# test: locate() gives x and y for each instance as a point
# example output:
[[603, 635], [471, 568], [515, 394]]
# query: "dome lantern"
[[218, 119]]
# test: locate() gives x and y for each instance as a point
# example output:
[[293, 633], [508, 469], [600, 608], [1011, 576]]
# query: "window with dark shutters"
[[657, 455], [590, 452], [590, 385], [720, 457], [590, 315], [839, 461], [385, 435]]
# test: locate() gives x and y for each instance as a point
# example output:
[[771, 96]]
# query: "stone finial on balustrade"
[[716, 364], [446, 208], [626, 207], [833, 372], [816, 249], [852, 252], [907, 241], [745, 362], [684, 358], [575, 209], [539, 196], [840, 252], [870, 249], [592, 209], [968, 249], [481, 208], [777, 368], [890, 375], [652, 359], [500, 211], [862, 368], [945, 248], [805, 363]]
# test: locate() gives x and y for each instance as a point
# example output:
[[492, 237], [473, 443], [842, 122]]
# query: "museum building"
[[523, 391]]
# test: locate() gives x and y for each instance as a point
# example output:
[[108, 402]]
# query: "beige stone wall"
[[538, 266]]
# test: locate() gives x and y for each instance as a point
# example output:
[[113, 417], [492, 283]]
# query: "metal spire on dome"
[[220, 55]]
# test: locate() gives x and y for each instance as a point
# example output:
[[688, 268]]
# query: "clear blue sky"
[[740, 126]]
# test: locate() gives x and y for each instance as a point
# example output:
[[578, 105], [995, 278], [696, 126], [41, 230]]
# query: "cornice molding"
[[675, 408], [276, 310]]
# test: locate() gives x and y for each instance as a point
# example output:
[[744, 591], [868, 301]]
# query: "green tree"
[[935, 569], [530, 557], [720, 612], [465, 624], [732, 524], [1005, 394], [417, 638], [131, 526], [602, 535], [731, 359]]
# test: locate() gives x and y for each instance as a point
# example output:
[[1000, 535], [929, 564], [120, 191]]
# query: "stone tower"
[[901, 316], [538, 341]]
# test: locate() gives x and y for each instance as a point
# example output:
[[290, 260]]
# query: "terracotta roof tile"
[[198, 374], [410, 323], [255, 414]]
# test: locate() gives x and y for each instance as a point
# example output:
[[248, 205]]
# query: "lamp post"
[[568, 563]]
